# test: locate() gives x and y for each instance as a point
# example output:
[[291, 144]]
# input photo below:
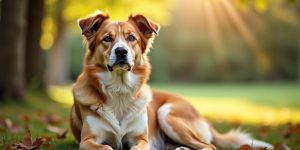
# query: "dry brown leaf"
[[263, 148], [7, 125], [60, 133], [292, 129], [28, 144], [8, 147], [25, 118], [282, 147], [50, 118], [263, 131], [297, 141], [27, 140], [245, 147], [44, 140]]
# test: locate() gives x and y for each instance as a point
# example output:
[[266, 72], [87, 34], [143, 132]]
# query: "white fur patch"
[[98, 126], [245, 138], [139, 125], [123, 111], [163, 112], [118, 83], [235, 138], [258, 144], [204, 130]]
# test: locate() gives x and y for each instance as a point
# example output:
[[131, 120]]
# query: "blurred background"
[[235, 60]]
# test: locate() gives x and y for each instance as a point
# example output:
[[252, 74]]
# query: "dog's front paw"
[[106, 147], [209, 147]]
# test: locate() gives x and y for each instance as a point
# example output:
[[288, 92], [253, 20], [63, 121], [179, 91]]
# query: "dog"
[[114, 108]]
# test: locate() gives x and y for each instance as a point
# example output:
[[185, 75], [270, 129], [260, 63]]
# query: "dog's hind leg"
[[180, 122]]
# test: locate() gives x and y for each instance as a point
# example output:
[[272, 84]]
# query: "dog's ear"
[[91, 24], [144, 25]]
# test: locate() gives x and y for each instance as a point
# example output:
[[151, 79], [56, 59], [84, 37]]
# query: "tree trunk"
[[12, 41], [298, 52], [35, 61], [57, 73]]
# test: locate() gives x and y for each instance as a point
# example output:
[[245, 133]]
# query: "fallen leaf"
[[292, 129], [263, 148], [7, 125], [28, 144], [282, 147], [27, 141], [245, 147], [25, 118], [60, 133], [8, 147], [44, 140], [297, 141], [263, 131], [50, 118]]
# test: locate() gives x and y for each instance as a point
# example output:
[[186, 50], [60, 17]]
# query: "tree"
[[57, 71], [12, 41], [34, 54]]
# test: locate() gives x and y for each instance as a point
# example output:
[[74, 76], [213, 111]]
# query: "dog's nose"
[[121, 52]]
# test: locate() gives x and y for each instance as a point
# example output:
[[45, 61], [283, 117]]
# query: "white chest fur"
[[124, 114]]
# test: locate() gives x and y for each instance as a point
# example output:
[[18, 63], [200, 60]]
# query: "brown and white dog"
[[114, 108]]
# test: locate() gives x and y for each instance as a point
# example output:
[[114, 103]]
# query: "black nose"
[[121, 52]]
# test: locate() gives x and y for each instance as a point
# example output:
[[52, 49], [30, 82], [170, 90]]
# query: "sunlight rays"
[[262, 59], [214, 31], [219, 13]]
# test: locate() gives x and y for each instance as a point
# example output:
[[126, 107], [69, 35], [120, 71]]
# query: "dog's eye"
[[130, 38], [107, 39]]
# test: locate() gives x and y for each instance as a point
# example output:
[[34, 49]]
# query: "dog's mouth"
[[119, 65]]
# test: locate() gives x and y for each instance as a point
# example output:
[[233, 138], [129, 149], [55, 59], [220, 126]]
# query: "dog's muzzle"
[[121, 59]]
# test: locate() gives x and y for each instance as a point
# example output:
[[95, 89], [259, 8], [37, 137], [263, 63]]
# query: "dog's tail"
[[236, 138]]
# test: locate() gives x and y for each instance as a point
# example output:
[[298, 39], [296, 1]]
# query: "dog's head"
[[117, 45]]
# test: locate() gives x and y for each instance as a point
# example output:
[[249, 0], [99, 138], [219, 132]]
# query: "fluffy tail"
[[236, 138]]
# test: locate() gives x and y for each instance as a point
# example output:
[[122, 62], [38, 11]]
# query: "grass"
[[261, 109], [251, 103], [36, 104]]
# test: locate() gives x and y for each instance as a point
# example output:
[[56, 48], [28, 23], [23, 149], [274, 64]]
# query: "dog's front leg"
[[91, 144], [90, 141], [142, 143]]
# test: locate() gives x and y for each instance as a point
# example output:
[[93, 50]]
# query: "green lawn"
[[277, 94], [37, 105], [268, 100]]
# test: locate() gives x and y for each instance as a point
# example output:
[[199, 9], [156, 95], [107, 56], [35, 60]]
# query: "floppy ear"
[[91, 24], [145, 26]]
